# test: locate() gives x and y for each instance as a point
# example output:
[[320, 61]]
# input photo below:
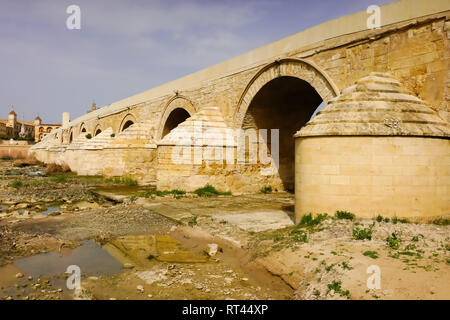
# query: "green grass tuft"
[[345, 215], [266, 189], [372, 254], [209, 191]]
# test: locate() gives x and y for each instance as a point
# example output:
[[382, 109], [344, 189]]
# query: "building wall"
[[390, 176]]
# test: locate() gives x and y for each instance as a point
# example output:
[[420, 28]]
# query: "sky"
[[129, 46]]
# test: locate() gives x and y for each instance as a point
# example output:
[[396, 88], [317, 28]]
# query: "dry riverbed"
[[135, 243]]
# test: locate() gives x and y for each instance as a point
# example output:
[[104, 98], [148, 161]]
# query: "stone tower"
[[37, 121], [12, 118], [374, 149]]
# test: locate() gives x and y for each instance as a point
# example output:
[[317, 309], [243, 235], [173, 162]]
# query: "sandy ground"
[[261, 253]]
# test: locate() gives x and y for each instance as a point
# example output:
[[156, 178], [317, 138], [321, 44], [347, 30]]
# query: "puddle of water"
[[3, 207], [90, 257], [50, 210], [124, 190], [143, 250]]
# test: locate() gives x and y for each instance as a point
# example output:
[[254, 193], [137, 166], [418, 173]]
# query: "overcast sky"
[[126, 47]]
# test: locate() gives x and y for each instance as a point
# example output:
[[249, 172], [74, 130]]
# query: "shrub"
[[308, 220], [362, 234], [299, 236], [345, 215], [266, 189], [209, 191], [379, 218], [193, 221], [393, 241], [386, 220], [89, 136], [336, 287], [112, 135], [372, 254], [441, 222], [15, 184]]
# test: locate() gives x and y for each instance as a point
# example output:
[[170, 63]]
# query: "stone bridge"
[[386, 93]]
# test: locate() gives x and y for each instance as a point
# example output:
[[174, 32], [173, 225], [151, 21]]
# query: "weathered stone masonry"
[[276, 86]]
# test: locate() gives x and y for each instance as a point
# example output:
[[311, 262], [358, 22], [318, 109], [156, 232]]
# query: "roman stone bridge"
[[390, 84]]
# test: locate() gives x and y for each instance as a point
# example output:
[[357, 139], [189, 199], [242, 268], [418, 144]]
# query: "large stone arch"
[[176, 102], [128, 117], [297, 68]]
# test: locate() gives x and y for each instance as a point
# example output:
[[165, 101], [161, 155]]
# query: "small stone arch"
[[290, 67], [128, 120], [176, 102], [83, 128], [97, 130]]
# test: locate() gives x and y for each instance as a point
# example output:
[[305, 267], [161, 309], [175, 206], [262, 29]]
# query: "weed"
[[346, 266], [345, 215], [299, 236], [209, 191], [89, 136], [308, 220], [393, 241], [193, 221], [386, 220], [372, 254], [441, 222], [15, 184], [266, 189], [59, 179], [379, 218], [336, 286], [362, 234]]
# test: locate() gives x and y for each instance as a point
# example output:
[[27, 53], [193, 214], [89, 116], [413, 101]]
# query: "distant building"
[[12, 128]]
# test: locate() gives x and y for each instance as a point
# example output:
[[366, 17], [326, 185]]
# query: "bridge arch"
[[127, 121], [97, 130], [70, 135], [296, 68], [82, 128], [283, 96], [176, 110]]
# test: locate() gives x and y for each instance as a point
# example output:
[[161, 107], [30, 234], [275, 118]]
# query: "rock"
[[199, 287], [30, 278], [212, 249], [140, 288], [93, 278], [149, 295], [128, 266], [244, 279], [19, 275], [21, 206], [55, 213]]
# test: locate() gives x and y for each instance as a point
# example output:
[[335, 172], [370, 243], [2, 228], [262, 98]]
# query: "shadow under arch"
[[176, 110]]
